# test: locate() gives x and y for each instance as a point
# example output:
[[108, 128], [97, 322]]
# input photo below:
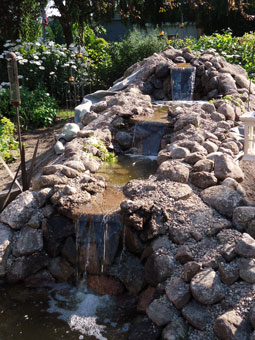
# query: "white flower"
[[37, 44], [47, 94], [41, 67], [51, 73], [20, 76], [36, 57], [18, 40]]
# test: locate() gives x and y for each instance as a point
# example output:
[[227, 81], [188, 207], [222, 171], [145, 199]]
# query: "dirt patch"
[[45, 152]]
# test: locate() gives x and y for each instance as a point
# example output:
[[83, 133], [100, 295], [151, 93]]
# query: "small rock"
[[203, 179], [184, 254], [246, 246], [59, 148], [225, 167], [174, 171], [159, 266], [161, 311], [247, 270], [229, 273], [206, 287], [196, 315], [145, 299], [103, 285], [191, 269], [252, 316], [175, 330], [230, 326], [203, 165], [178, 292], [61, 270]]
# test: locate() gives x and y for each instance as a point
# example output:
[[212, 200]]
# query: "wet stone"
[[178, 292], [61, 270], [146, 329], [145, 299], [159, 266]]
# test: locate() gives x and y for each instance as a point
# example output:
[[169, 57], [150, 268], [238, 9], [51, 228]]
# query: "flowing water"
[[61, 312], [74, 313], [182, 81]]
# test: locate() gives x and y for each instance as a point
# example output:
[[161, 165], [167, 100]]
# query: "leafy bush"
[[38, 108], [236, 50], [8, 144], [136, 46]]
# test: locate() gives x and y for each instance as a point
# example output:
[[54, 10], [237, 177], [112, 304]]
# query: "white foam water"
[[79, 309]]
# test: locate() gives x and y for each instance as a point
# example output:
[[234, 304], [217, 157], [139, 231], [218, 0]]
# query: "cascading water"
[[147, 137], [182, 83]]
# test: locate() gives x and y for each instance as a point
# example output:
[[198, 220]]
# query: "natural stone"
[[103, 285], [246, 246], [28, 241], [206, 287], [178, 292], [210, 146], [175, 330], [252, 316], [225, 167], [51, 180], [183, 254], [227, 110], [24, 206], [223, 199], [145, 299], [40, 279], [124, 139], [69, 250], [229, 273], [243, 216], [6, 236], [191, 268], [61, 270], [174, 171], [161, 311], [196, 315], [203, 165], [247, 270], [203, 179], [159, 266], [230, 326]]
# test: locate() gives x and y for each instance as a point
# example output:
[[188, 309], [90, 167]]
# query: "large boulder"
[[161, 311]]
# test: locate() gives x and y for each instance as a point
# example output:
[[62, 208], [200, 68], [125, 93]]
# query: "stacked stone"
[[214, 76], [188, 233]]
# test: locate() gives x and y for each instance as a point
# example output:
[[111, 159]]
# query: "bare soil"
[[45, 152]]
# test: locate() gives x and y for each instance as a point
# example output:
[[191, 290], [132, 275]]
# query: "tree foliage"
[[19, 19]]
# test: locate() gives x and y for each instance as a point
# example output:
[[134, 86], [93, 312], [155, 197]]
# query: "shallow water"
[[61, 312]]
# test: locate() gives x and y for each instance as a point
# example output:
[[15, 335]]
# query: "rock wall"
[[188, 231]]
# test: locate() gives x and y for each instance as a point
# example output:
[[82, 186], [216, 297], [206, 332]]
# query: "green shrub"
[[8, 144], [120, 55], [37, 109]]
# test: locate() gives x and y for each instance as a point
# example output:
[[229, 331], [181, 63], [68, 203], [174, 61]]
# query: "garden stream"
[[73, 312]]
